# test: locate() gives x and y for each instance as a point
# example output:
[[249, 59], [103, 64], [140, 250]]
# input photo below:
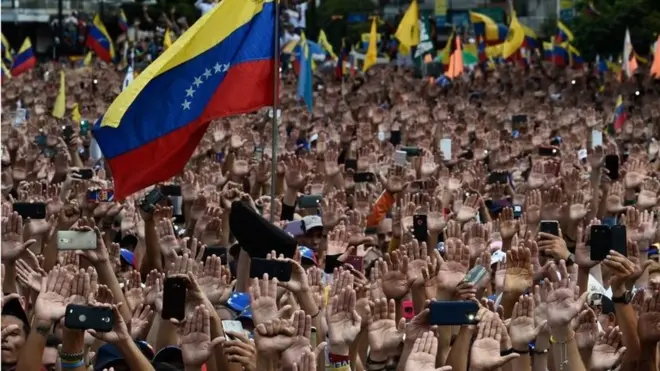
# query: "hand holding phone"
[[85, 317]]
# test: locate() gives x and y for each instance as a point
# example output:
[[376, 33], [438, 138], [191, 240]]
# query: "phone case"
[[274, 268], [231, 325], [83, 317], [73, 240], [32, 210], [174, 298], [475, 274], [309, 202], [420, 228], [550, 226], [356, 262], [445, 313], [619, 239], [600, 242]]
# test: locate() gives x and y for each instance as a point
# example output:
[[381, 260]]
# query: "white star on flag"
[[207, 73], [190, 91], [186, 104], [197, 82], [217, 67], [225, 67]]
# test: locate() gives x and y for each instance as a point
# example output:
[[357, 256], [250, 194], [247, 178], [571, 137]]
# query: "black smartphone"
[[498, 178], [619, 239], [412, 151], [170, 190], [275, 269], [67, 132], [150, 200], [32, 210], [548, 151], [600, 242], [218, 251], [517, 211], [420, 228], [83, 317], [446, 313], [395, 137], [85, 173], [174, 298], [364, 178], [550, 227], [350, 163], [516, 120], [612, 166], [309, 201]]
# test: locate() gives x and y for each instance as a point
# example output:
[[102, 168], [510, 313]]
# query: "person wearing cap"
[[15, 328], [312, 237]]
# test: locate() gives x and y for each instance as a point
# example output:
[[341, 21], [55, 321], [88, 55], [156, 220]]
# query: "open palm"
[[420, 362], [383, 335], [562, 307], [450, 275], [485, 354], [342, 328], [395, 284]]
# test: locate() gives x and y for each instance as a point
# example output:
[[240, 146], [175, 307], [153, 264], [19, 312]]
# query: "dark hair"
[[52, 341]]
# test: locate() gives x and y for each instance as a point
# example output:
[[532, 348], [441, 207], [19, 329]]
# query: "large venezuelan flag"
[[223, 65], [24, 59], [493, 33], [99, 40]]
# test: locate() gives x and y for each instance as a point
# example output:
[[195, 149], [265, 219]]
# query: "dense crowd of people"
[[433, 228]]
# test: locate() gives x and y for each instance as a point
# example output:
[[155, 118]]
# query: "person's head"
[[15, 322], [313, 228], [604, 309], [50, 356]]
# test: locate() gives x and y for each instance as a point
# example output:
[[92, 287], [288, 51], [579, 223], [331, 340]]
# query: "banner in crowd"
[[566, 10], [441, 11]]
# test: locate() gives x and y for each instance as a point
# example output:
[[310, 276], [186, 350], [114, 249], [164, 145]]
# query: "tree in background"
[[336, 28], [603, 34]]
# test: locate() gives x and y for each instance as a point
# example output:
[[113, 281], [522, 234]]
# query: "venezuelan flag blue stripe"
[[97, 41], [23, 57], [160, 127], [194, 82]]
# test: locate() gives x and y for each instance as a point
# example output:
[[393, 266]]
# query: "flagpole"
[[276, 90]]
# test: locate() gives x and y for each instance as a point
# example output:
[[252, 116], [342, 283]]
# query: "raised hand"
[[195, 338], [302, 324], [485, 353], [50, 305], [263, 299], [98, 255], [394, 271], [384, 335], [274, 336], [423, 354], [583, 248], [298, 281], [519, 272], [522, 328], [606, 353], [141, 322], [119, 332], [12, 238], [343, 321], [213, 282], [564, 302], [587, 332], [648, 324], [241, 350], [452, 271]]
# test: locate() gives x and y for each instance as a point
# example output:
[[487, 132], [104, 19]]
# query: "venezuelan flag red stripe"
[[97, 41], [23, 62], [164, 123]]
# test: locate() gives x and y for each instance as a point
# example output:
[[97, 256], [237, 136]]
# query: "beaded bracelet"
[[71, 365]]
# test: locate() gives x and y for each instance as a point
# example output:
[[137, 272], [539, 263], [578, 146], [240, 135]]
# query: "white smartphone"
[[74, 240], [401, 158], [596, 138], [231, 325], [582, 154], [445, 148]]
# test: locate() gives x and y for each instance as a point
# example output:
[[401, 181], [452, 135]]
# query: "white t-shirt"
[[298, 17], [204, 7]]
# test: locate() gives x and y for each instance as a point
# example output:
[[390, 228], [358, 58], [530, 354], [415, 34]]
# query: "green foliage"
[[604, 34], [339, 28]]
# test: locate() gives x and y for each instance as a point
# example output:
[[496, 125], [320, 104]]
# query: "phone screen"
[[274, 268], [174, 298], [420, 228], [356, 262], [445, 148], [612, 166], [32, 210], [596, 138], [400, 158], [445, 313], [550, 227], [364, 178], [309, 202], [619, 239], [548, 151], [600, 242]]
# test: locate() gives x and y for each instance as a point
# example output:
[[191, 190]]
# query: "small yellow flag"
[[88, 59], [408, 31], [60, 101], [167, 39], [75, 114], [372, 51]]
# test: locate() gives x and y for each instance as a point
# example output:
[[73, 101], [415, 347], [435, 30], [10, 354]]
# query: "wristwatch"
[[626, 298], [570, 260]]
